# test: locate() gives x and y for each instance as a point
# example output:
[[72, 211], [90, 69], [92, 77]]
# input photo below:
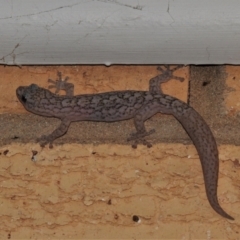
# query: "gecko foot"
[[138, 138], [61, 84], [168, 73], [141, 141], [43, 141]]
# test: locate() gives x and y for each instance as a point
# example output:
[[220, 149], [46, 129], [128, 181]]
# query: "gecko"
[[122, 105]]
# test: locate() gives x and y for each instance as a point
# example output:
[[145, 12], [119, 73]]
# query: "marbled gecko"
[[122, 105]]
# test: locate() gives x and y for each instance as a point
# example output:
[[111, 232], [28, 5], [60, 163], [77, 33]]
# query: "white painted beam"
[[119, 32]]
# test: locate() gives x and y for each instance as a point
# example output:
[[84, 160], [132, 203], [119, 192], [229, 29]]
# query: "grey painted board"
[[119, 32]]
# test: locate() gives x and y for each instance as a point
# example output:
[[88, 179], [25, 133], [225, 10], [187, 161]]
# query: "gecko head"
[[30, 97], [27, 94]]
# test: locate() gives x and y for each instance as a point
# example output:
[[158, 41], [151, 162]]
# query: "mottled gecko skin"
[[122, 105]]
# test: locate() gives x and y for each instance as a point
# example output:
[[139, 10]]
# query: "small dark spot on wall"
[[34, 153], [236, 163], [6, 152], [13, 197], [205, 83], [109, 202], [116, 216], [15, 137], [135, 218]]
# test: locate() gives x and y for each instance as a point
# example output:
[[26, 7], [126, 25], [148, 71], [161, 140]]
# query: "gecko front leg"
[[59, 84], [60, 131], [62, 84]]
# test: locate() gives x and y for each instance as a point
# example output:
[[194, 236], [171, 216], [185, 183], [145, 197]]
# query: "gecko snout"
[[20, 94], [19, 91]]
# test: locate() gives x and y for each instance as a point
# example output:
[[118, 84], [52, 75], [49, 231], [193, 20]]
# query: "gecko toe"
[[44, 140], [138, 138], [141, 141], [140, 135], [146, 143], [134, 145]]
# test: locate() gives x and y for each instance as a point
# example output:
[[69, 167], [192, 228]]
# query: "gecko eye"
[[23, 98]]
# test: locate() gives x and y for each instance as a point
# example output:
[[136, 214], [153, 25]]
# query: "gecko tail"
[[206, 146], [216, 206]]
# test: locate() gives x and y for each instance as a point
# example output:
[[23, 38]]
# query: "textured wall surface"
[[87, 191], [100, 187]]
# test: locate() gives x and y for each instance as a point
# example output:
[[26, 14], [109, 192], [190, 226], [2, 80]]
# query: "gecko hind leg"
[[138, 137], [141, 116], [165, 75]]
